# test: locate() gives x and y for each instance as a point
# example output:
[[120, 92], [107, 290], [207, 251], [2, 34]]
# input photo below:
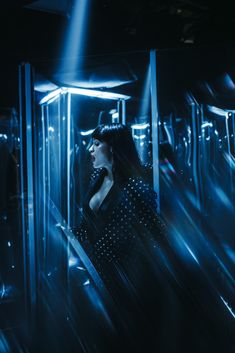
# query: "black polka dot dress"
[[124, 224], [120, 239]]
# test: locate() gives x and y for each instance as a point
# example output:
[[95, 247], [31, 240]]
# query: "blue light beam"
[[75, 38]]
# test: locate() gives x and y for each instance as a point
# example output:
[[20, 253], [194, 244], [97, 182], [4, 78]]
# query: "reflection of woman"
[[122, 234]]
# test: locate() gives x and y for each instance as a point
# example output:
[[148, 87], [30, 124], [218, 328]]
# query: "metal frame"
[[155, 123], [27, 191]]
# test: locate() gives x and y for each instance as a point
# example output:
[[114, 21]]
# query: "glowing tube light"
[[3, 136], [98, 94], [86, 133], [141, 137], [83, 92], [206, 124], [115, 115], [50, 95], [139, 126], [228, 307], [218, 111]]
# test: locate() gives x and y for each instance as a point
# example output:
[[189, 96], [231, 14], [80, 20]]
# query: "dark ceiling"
[[115, 25], [27, 34]]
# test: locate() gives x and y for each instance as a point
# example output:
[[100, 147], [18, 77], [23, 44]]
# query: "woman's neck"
[[109, 174]]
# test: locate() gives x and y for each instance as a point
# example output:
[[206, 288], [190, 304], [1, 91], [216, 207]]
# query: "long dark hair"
[[126, 161]]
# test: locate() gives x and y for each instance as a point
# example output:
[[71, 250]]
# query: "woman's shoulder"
[[138, 183], [140, 189]]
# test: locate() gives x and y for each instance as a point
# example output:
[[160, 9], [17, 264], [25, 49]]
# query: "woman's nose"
[[91, 149]]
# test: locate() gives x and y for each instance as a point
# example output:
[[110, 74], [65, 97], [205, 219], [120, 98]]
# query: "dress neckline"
[[103, 202]]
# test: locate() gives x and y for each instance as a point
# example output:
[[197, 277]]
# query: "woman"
[[124, 237]]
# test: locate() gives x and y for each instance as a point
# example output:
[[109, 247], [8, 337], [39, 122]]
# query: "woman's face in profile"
[[100, 154]]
